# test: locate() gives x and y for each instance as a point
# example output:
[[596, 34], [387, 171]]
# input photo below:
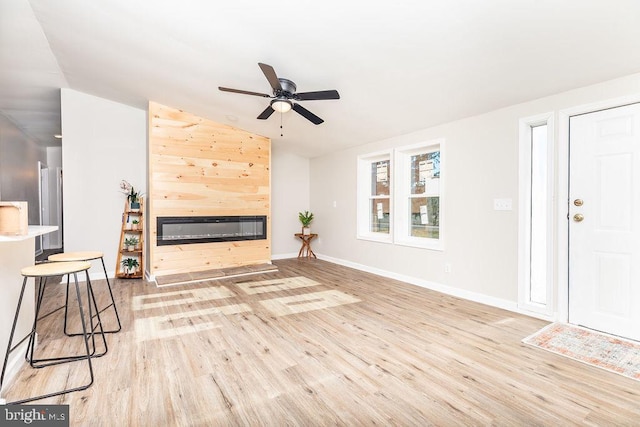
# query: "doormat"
[[594, 348]]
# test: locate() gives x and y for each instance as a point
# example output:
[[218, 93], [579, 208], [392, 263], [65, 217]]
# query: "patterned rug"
[[591, 347]]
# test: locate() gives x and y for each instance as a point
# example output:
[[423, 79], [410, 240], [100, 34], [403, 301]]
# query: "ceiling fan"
[[284, 95]]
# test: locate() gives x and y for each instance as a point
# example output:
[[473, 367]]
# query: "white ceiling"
[[399, 66]]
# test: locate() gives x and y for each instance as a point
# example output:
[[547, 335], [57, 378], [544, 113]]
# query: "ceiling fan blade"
[[245, 92], [271, 75], [266, 113], [307, 114], [322, 94]]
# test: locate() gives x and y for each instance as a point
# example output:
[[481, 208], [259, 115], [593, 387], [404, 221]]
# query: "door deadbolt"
[[578, 217], [578, 202]]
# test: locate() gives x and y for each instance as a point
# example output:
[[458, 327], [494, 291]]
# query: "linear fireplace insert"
[[180, 230]]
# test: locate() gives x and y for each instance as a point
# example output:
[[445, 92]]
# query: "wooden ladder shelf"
[[128, 233]]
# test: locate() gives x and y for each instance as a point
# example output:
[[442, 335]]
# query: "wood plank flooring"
[[187, 278], [322, 345]]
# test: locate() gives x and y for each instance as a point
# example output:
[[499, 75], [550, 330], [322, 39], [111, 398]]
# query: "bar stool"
[[42, 272], [87, 256]]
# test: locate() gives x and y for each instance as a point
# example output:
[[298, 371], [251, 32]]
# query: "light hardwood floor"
[[323, 345]]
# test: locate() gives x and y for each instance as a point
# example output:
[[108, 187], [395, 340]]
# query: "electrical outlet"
[[502, 204], [447, 268]]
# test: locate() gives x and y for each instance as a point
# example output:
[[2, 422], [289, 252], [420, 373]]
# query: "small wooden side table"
[[305, 250]]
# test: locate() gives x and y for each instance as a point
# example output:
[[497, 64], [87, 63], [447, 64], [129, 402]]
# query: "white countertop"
[[34, 230]]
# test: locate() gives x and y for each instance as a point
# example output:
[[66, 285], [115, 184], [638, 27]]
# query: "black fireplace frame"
[[170, 220]]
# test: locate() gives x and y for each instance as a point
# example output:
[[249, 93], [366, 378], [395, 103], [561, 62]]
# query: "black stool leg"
[[66, 308], [113, 301], [84, 331], [13, 330], [91, 301], [112, 304], [91, 297], [42, 284]]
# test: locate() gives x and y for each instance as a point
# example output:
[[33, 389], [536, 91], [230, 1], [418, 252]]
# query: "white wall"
[[104, 143], [289, 195], [481, 164]]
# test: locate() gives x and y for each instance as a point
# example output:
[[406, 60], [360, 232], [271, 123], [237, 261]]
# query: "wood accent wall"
[[198, 167]]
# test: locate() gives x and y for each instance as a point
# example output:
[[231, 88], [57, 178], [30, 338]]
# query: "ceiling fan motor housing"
[[288, 88]]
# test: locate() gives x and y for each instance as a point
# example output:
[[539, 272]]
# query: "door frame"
[[562, 225], [42, 168]]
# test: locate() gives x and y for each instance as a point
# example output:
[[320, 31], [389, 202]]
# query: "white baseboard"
[[284, 256], [439, 287]]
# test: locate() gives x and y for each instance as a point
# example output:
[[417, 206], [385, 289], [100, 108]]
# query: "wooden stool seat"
[[49, 269], [76, 256]]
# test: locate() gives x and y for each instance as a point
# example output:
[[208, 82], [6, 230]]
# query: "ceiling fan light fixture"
[[281, 105]]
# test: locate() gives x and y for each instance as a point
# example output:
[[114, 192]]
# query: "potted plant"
[[134, 224], [135, 204], [305, 218], [132, 195], [130, 265], [131, 242]]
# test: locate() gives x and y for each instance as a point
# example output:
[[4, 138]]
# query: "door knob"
[[578, 202], [578, 217]]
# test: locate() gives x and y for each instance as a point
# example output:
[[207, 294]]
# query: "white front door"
[[604, 221]]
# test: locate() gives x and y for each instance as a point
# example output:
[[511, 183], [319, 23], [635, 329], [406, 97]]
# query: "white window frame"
[[364, 197], [402, 193], [524, 224]]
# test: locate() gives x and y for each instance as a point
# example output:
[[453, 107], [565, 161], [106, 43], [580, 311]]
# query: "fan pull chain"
[[281, 124]]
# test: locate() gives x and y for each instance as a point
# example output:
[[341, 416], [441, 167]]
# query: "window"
[[379, 212], [535, 262], [418, 219], [539, 214], [374, 197], [399, 196]]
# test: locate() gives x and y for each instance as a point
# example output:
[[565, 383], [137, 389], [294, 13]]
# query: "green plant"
[[305, 218], [126, 188], [135, 222], [130, 263], [131, 241]]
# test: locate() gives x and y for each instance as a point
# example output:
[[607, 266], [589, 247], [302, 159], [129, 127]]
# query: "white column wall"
[[104, 143], [289, 195]]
